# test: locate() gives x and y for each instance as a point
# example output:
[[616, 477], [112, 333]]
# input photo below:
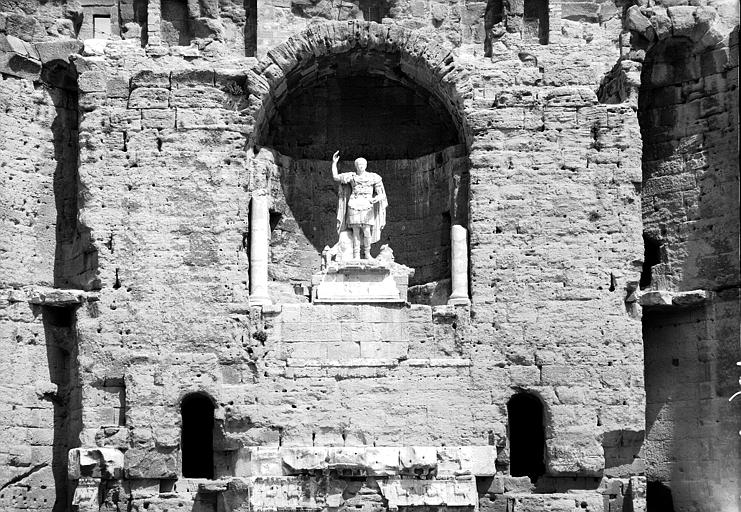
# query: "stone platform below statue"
[[358, 280]]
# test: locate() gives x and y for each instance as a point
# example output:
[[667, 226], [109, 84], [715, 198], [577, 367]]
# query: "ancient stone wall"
[[137, 187], [691, 432], [40, 398], [688, 107]]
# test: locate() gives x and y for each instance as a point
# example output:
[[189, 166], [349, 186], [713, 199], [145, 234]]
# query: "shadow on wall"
[[692, 430], [61, 353], [75, 260], [688, 112]]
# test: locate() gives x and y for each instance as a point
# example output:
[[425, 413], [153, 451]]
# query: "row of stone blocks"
[[312, 478], [266, 461]]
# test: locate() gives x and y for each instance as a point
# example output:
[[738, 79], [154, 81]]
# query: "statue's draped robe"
[[379, 208]]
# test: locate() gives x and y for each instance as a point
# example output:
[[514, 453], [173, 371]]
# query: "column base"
[[459, 301], [260, 300]]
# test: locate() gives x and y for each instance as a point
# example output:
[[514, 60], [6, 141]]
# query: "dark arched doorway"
[[526, 436], [197, 439]]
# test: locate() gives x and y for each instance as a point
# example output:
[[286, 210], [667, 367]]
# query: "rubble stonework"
[[583, 156]]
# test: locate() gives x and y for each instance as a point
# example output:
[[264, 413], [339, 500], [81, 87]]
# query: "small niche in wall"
[[535, 21], [250, 27], [493, 23], [101, 26], [132, 18], [177, 28], [374, 10], [115, 392]]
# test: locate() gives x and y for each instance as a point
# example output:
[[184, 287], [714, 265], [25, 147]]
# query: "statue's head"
[[360, 164]]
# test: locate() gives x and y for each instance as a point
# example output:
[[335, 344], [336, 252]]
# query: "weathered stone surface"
[[19, 58], [131, 175], [103, 463], [58, 50]]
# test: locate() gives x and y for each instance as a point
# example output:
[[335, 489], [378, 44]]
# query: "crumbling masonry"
[[588, 149]]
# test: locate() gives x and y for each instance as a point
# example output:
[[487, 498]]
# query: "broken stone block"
[[517, 484], [286, 493], [475, 460], [58, 50], [418, 460], [346, 459], [382, 461], [19, 58], [105, 463], [258, 461], [149, 463], [146, 97], [86, 496], [112, 437], [303, 460], [23, 27], [690, 298], [144, 488], [401, 492], [656, 298], [94, 47], [636, 21]]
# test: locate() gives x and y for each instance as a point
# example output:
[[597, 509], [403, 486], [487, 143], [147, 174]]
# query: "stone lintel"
[[663, 299]]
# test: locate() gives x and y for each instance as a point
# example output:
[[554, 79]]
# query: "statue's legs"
[[366, 242], [355, 242]]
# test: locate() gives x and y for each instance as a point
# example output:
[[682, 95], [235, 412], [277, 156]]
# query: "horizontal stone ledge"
[[380, 461], [374, 363], [660, 299], [42, 296], [296, 493], [435, 363], [333, 363]]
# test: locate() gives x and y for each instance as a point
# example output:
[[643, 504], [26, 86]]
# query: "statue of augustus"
[[362, 205]]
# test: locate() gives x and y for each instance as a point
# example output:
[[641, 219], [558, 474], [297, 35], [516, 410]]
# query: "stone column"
[[259, 246], [459, 266]]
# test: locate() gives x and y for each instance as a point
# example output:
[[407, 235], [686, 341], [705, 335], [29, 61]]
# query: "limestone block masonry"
[[562, 185]]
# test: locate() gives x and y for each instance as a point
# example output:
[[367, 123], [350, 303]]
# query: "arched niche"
[[378, 102], [196, 436], [526, 430]]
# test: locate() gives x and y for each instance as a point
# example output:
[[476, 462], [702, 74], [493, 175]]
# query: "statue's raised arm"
[[335, 159]]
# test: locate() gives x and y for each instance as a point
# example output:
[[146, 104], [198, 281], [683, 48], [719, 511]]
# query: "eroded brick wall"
[[166, 172], [39, 397], [688, 109]]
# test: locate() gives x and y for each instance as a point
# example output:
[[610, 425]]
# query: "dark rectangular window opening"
[[535, 21]]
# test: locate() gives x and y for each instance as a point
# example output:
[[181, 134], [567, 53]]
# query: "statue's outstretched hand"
[[336, 157]]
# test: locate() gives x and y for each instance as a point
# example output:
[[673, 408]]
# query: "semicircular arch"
[[402, 56]]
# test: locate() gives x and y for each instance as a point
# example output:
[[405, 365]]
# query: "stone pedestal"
[[361, 281], [459, 266], [259, 246]]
